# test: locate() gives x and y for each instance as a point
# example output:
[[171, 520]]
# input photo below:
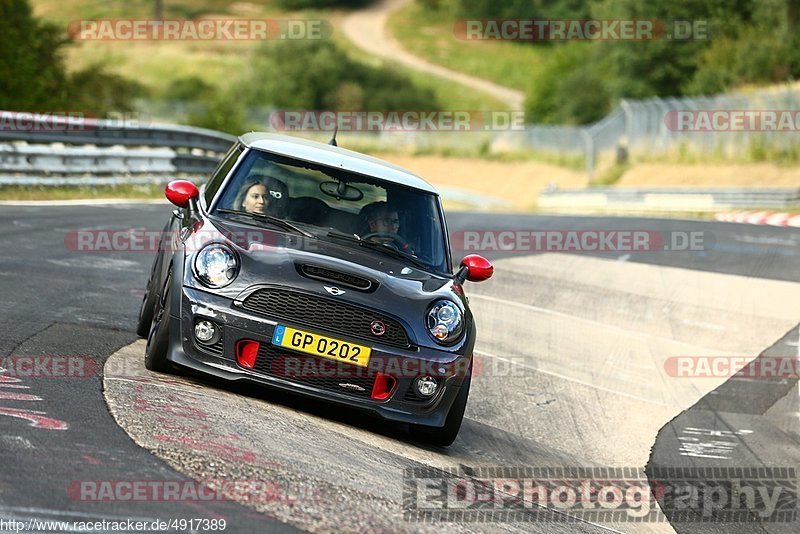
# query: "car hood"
[[273, 258]]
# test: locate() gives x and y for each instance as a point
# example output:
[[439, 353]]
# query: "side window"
[[222, 171]]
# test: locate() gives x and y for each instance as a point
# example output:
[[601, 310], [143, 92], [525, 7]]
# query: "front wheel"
[[445, 435], [147, 309], [155, 355]]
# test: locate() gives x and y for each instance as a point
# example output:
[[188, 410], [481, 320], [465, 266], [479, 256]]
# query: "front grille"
[[329, 275], [411, 396], [313, 371], [216, 348], [325, 314]]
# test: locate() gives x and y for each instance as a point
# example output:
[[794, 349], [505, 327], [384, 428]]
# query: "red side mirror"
[[181, 192], [478, 268]]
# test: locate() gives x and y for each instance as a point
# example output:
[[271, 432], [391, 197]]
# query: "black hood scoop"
[[326, 274]]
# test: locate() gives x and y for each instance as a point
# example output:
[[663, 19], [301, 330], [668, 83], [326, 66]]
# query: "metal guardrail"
[[669, 199], [61, 150]]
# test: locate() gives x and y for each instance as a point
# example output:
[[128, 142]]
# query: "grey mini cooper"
[[319, 271]]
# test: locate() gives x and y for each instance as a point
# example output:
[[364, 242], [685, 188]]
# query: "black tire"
[[446, 435], [155, 355], [148, 307]]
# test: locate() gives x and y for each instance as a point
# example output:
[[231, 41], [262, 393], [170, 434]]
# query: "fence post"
[[588, 143]]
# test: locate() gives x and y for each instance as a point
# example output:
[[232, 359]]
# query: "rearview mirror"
[[341, 190]]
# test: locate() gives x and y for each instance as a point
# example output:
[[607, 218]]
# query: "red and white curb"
[[760, 217]]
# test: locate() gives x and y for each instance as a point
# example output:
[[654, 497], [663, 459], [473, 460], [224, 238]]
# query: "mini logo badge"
[[353, 387], [335, 291], [377, 328]]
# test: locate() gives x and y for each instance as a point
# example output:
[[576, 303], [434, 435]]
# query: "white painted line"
[[575, 380], [17, 442]]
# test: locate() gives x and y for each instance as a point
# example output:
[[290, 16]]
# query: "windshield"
[[325, 201]]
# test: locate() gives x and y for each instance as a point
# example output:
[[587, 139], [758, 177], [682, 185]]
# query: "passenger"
[[264, 195]]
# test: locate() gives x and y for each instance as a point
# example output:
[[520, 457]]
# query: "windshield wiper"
[[286, 225], [354, 238]]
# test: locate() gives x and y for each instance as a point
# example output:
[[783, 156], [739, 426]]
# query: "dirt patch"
[[516, 183]]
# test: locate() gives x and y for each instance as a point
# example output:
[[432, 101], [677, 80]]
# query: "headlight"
[[216, 266], [445, 322]]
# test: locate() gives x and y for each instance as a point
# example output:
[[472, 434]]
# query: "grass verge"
[[138, 192], [429, 35]]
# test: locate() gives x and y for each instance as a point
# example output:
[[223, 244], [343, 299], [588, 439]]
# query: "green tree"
[[32, 75]]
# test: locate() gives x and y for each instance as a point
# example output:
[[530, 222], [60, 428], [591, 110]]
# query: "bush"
[[94, 89], [319, 75], [219, 111], [188, 89], [568, 88]]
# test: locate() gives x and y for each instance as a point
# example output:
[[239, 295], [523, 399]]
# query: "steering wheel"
[[397, 242]]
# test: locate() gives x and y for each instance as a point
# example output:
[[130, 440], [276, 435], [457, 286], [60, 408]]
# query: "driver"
[[383, 221]]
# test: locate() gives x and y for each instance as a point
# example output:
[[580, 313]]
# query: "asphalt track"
[[572, 347]]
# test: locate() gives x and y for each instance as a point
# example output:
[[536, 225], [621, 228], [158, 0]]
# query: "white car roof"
[[333, 156]]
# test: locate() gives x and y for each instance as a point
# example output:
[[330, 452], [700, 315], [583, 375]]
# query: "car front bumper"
[[403, 405]]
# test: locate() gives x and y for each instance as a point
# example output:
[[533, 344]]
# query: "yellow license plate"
[[323, 346]]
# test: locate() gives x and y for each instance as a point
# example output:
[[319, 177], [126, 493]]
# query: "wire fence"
[[754, 124]]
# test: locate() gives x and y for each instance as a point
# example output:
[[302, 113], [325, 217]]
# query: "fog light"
[[206, 332], [426, 386]]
